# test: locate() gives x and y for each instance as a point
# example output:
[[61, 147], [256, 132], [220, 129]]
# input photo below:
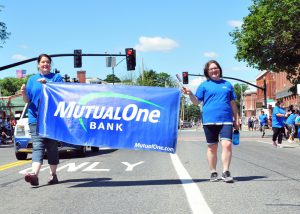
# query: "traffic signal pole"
[[264, 88], [52, 56]]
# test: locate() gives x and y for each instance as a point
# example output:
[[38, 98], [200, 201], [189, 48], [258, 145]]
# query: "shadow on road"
[[106, 182], [248, 178]]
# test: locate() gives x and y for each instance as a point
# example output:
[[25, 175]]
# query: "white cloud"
[[24, 46], [210, 54], [147, 44], [235, 23], [19, 57]]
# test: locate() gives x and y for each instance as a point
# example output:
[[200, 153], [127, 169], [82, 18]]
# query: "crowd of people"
[[6, 129], [284, 123]]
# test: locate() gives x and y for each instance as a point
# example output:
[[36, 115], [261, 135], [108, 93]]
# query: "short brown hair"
[[208, 64]]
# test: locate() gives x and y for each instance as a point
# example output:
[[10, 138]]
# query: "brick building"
[[277, 88]]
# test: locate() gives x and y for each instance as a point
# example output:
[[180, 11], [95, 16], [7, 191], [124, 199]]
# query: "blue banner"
[[130, 117]]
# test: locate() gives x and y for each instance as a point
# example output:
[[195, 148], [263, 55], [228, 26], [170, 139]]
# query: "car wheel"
[[95, 149], [21, 155], [82, 151]]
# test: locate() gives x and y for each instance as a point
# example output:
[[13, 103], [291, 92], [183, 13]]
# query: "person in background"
[[31, 94], [3, 135], [255, 123], [241, 123], [297, 124], [250, 124], [290, 124], [8, 128], [278, 117], [219, 108], [263, 120]]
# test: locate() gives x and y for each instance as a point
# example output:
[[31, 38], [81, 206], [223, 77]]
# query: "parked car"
[[23, 144], [187, 124]]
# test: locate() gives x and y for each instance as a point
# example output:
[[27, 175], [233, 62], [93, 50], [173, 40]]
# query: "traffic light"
[[130, 59], [77, 59], [185, 77]]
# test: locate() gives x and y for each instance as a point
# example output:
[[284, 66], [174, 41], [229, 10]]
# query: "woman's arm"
[[193, 98], [23, 91], [234, 110]]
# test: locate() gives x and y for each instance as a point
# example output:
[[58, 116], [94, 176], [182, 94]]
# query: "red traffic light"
[[185, 77], [130, 59], [129, 52]]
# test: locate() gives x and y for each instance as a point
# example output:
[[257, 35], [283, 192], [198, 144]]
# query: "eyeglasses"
[[213, 69]]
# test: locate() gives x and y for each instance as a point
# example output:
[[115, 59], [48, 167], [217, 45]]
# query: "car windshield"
[[25, 114]]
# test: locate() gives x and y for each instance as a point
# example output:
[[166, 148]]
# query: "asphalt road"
[[124, 181]]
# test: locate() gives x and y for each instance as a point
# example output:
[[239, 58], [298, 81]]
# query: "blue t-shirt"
[[291, 119], [278, 122], [263, 118], [216, 97], [297, 120], [34, 90]]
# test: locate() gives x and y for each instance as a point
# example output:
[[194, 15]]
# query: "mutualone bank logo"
[[116, 114]]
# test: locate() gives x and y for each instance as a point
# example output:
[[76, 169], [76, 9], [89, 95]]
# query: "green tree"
[[192, 113], [269, 38], [4, 35], [152, 78], [10, 85], [112, 78], [238, 88], [149, 78]]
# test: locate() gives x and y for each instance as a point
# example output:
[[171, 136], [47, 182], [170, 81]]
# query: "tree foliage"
[[11, 85], [112, 78], [269, 38], [193, 113], [152, 78], [239, 89], [4, 35]]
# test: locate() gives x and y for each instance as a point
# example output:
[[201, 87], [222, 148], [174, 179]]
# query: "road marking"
[[14, 164], [131, 166], [194, 195]]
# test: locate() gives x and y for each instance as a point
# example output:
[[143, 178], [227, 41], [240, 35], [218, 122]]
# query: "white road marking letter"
[[72, 166], [131, 166], [90, 168]]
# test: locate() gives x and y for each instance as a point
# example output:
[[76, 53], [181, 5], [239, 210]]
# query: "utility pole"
[[242, 104], [142, 69]]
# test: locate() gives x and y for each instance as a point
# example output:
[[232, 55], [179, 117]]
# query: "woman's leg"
[[38, 149], [212, 157], [226, 154]]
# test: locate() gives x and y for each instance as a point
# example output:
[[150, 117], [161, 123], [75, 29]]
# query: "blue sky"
[[170, 36]]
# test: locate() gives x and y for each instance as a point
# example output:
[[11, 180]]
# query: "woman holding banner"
[[31, 94], [219, 109]]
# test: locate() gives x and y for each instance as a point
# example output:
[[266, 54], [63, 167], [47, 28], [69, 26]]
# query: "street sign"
[[110, 61]]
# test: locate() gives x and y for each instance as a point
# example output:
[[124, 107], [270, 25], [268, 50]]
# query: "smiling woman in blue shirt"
[[219, 109], [31, 94]]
